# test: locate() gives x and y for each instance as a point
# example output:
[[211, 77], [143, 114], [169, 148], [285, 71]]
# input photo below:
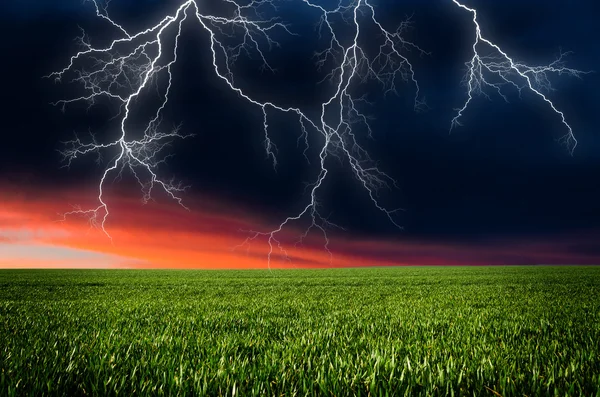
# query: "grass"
[[380, 331]]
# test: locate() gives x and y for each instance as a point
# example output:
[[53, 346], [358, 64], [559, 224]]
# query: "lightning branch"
[[491, 69], [129, 67]]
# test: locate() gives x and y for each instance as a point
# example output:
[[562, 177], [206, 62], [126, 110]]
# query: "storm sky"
[[498, 190]]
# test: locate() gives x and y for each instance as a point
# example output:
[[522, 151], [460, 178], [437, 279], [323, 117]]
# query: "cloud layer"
[[209, 236]]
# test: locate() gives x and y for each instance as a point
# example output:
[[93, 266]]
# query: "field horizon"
[[379, 331], [283, 268]]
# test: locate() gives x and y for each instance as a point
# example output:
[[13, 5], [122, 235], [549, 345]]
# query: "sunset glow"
[[210, 236]]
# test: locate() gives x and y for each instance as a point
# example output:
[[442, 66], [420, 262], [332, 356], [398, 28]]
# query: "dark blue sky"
[[502, 174]]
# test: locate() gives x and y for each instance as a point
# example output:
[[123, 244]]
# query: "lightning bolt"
[[124, 70], [507, 72]]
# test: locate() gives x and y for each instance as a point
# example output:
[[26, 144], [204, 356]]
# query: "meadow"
[[497, 331]]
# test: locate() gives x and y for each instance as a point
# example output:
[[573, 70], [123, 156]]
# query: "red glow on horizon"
[[168, 236], [148, 236]]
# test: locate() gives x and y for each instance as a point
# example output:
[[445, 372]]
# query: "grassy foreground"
[[381, 331]]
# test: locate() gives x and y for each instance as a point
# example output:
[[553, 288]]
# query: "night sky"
[[499, 190]]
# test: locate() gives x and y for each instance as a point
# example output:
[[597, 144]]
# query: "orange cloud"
[[152, 235], [164, 235]]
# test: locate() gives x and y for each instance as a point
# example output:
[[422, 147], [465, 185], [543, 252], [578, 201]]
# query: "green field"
[[379, 331]]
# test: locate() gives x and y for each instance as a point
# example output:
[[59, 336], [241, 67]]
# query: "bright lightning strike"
[[498, 70], [124, 70]]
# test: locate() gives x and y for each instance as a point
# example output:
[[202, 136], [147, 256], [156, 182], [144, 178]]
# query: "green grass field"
[[380, 331]]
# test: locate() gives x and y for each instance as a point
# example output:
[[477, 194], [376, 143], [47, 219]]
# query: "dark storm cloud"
[[591, 249], [31, 9]]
